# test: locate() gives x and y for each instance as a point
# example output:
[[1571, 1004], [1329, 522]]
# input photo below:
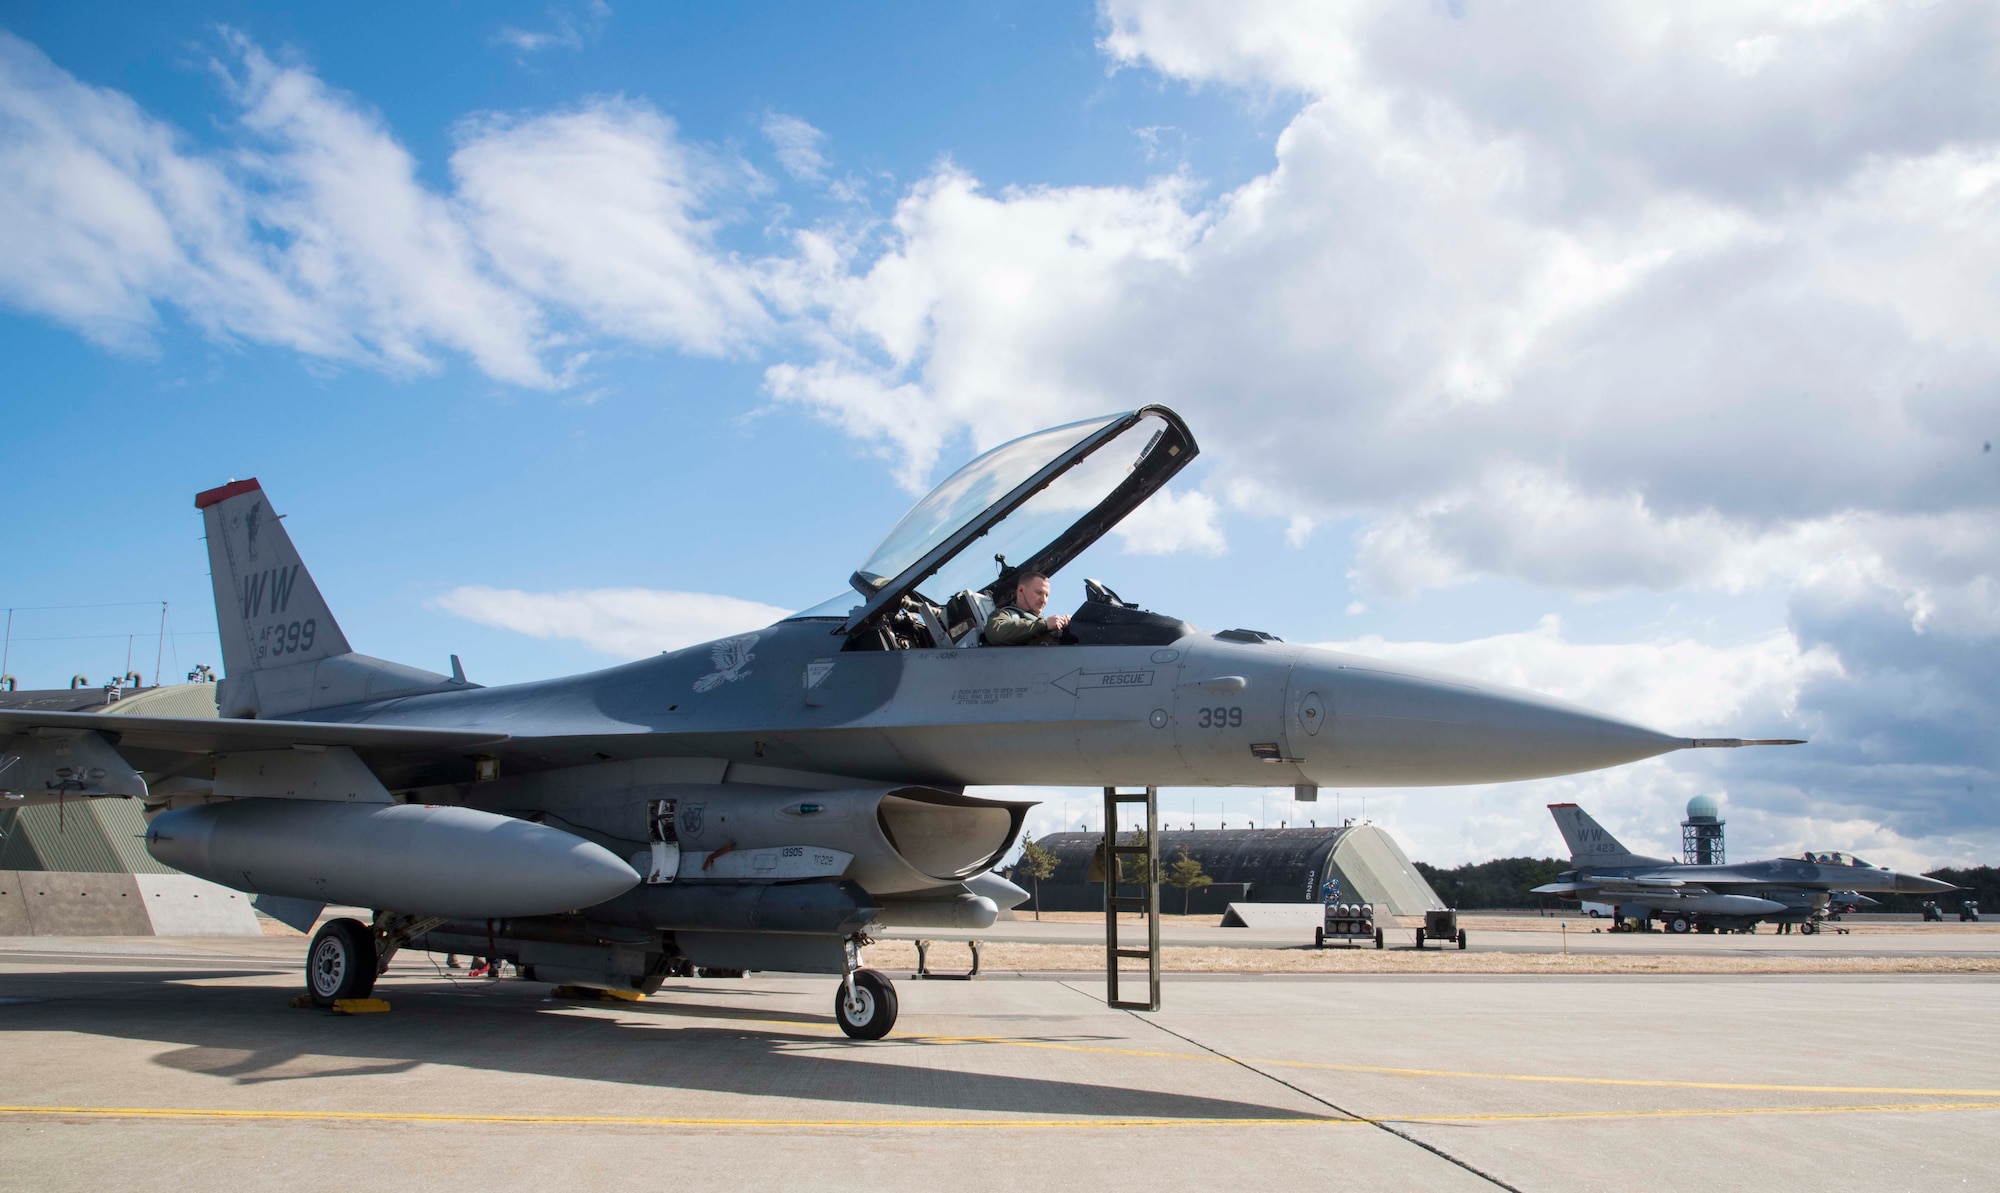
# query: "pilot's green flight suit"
[[1011, 626]]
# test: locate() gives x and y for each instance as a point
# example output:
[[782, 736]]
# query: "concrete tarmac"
[[176, 1064]]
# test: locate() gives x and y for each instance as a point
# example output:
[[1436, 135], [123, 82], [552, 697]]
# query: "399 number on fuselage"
[[1220, 717]]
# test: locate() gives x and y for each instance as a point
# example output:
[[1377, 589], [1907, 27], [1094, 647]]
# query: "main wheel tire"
[[1461, 938], [1378, 938], [873, 1011], [1809, 928], [341, 962], [1319, 938], [1420, 938], [1679, 924]]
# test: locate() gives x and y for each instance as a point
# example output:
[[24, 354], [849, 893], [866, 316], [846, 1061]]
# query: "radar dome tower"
[[1701, 833]]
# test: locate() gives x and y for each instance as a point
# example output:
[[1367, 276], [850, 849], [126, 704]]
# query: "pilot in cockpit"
[[1021, 623]]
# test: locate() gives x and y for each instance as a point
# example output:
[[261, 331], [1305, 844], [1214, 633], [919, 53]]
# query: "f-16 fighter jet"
[[1784, 890], [767, 800]]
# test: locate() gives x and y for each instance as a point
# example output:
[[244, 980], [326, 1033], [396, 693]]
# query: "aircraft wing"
[[215, 735], [165, 745], [1562, 888]]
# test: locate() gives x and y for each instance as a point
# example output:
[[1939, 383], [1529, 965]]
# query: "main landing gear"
[[347, 955], [342, 962]]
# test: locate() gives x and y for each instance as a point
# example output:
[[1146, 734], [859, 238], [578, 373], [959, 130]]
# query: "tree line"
[[1502, 882], [1506, 882]]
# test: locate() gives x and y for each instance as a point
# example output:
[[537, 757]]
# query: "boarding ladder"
[[1114, 856]]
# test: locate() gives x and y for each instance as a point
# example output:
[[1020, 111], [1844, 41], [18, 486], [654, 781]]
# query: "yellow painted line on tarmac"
[[613, 1120], [1397, 1071]]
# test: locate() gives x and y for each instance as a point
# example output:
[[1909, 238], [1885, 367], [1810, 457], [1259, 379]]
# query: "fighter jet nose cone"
[[1402, 725], [1917, 884]]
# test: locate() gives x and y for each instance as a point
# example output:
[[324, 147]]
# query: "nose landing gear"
[[865, 1005]]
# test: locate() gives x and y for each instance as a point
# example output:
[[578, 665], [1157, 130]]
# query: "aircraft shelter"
[[1268, 865]]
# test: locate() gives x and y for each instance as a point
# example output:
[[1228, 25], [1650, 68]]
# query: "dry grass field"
[[1003, 957]]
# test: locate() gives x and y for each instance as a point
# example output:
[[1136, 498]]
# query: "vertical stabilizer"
[[267, 607], [1589, 841], [282, 651]]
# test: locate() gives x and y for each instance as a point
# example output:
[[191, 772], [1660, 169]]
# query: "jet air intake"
[[418, 858], [892, 840], [945, 836]]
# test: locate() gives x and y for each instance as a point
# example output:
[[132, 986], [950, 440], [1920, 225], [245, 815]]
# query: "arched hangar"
[[1268, 865]]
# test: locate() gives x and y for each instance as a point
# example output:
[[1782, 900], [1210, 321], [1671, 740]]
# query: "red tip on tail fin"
[[209, 497]]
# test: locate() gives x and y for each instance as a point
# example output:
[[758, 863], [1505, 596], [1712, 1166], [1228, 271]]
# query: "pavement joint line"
[[1379, 1125]]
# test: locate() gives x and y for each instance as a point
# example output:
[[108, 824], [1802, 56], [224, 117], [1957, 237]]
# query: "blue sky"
[[1650, 367]]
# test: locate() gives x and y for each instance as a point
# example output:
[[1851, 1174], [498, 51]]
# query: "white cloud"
[[369, 248], [568, 29], [623, 622], [594, 212], [798, 145], [980, 309], [102, 214], [1680, 686], [534, 41], [1525, 321], [312, 229], [1171, 522]]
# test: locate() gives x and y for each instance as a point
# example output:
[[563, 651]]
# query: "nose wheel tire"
[[872, 1012], [341, 962]]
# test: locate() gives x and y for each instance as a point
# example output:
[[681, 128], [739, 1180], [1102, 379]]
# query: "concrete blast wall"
[[65, 903], [1374, 869]]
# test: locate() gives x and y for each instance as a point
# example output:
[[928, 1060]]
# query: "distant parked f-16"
[[1786, 890], [767, 800]]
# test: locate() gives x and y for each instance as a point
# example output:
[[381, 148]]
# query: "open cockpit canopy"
[[1830, 858], [1035, 503]]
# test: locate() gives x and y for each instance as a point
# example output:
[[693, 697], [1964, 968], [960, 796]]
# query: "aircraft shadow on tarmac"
[[246, 1035]]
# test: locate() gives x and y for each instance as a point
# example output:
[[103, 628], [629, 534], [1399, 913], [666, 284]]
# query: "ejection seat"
[[969, 608]]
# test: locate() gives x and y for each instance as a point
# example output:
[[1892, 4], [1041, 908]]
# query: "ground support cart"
[[1441, 926], [1349, 924]]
